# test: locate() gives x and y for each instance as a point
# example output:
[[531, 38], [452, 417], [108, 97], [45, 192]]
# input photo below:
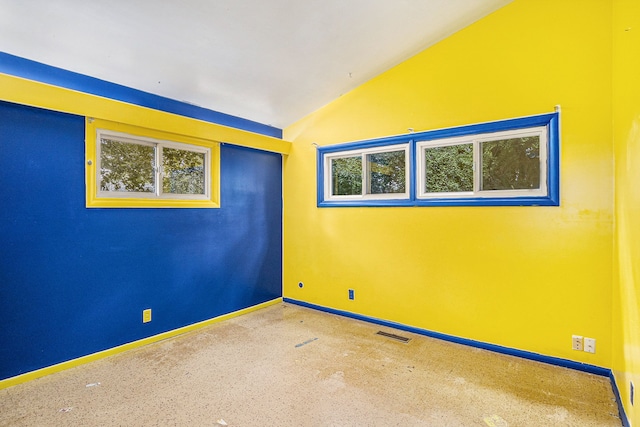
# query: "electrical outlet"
[[576, 342], [590, 345], [146, 315], [352, 294]]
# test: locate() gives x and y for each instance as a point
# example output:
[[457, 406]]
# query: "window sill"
[[478, 201]]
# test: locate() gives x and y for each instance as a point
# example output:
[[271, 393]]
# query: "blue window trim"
[[550, 120]]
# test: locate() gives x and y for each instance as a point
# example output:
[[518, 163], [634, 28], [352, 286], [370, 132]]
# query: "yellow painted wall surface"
[[521, 277], [626, 296], [42, 95]]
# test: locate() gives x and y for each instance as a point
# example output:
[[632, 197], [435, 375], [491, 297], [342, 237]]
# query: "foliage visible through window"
[[368, 174], [183, 171], [511, 164], [507, 163], [346, 176], [504, 163], [387, 172], [151, 168], [126, 167], [129, 166], [449, 168]]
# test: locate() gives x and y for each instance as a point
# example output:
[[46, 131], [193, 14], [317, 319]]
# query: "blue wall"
[[74, 281]]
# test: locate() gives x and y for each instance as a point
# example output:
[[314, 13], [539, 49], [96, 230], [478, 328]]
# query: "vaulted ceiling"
[[271, 61]]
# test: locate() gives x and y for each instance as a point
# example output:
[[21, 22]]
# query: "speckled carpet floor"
[[291, 366]]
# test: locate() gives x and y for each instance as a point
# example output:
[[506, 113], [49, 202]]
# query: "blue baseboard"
[[616, 392], [584, 367]]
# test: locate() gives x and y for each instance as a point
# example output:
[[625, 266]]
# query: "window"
[[510, 162], [148, 168], [376, 173], [501, 164], [139, 170]]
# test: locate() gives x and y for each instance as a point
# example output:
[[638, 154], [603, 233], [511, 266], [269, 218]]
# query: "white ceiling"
[[271, 61]]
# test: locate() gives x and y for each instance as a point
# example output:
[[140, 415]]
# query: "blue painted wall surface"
[[74, 281]]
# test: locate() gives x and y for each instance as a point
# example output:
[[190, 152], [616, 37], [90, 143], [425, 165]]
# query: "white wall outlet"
[[590, 345], [576, 342]]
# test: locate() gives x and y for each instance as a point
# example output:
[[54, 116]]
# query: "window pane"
[[511, 164], [346, 176], [387, 172], [183, 171], [448, 169], [126, 167]]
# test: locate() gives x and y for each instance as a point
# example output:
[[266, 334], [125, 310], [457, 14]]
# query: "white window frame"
[[158, 170], [476, 141], [366, 185]]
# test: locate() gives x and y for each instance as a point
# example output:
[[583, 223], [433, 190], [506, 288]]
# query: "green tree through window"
[[346, 175], [183, 171], [368, 173], [511, 164], [126, 167], [449, 168], [387, 172]]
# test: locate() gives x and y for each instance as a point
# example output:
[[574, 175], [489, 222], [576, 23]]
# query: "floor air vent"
[[394, 336]]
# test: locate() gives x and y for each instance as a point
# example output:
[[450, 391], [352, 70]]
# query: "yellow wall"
[[626, 299], [42, 95], [521, 277]]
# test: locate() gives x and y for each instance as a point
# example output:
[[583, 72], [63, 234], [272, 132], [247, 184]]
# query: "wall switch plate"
[[576, 342], [146, 315], [590, 345], [352, 294]]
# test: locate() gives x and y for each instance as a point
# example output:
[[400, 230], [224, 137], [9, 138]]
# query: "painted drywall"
[[32, 70], [626, 293], [74, 281], [38, 94], [521, 277]]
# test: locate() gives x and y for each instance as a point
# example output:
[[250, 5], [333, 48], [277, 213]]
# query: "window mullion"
[[366, 182], [158, 170], [477, 167]]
